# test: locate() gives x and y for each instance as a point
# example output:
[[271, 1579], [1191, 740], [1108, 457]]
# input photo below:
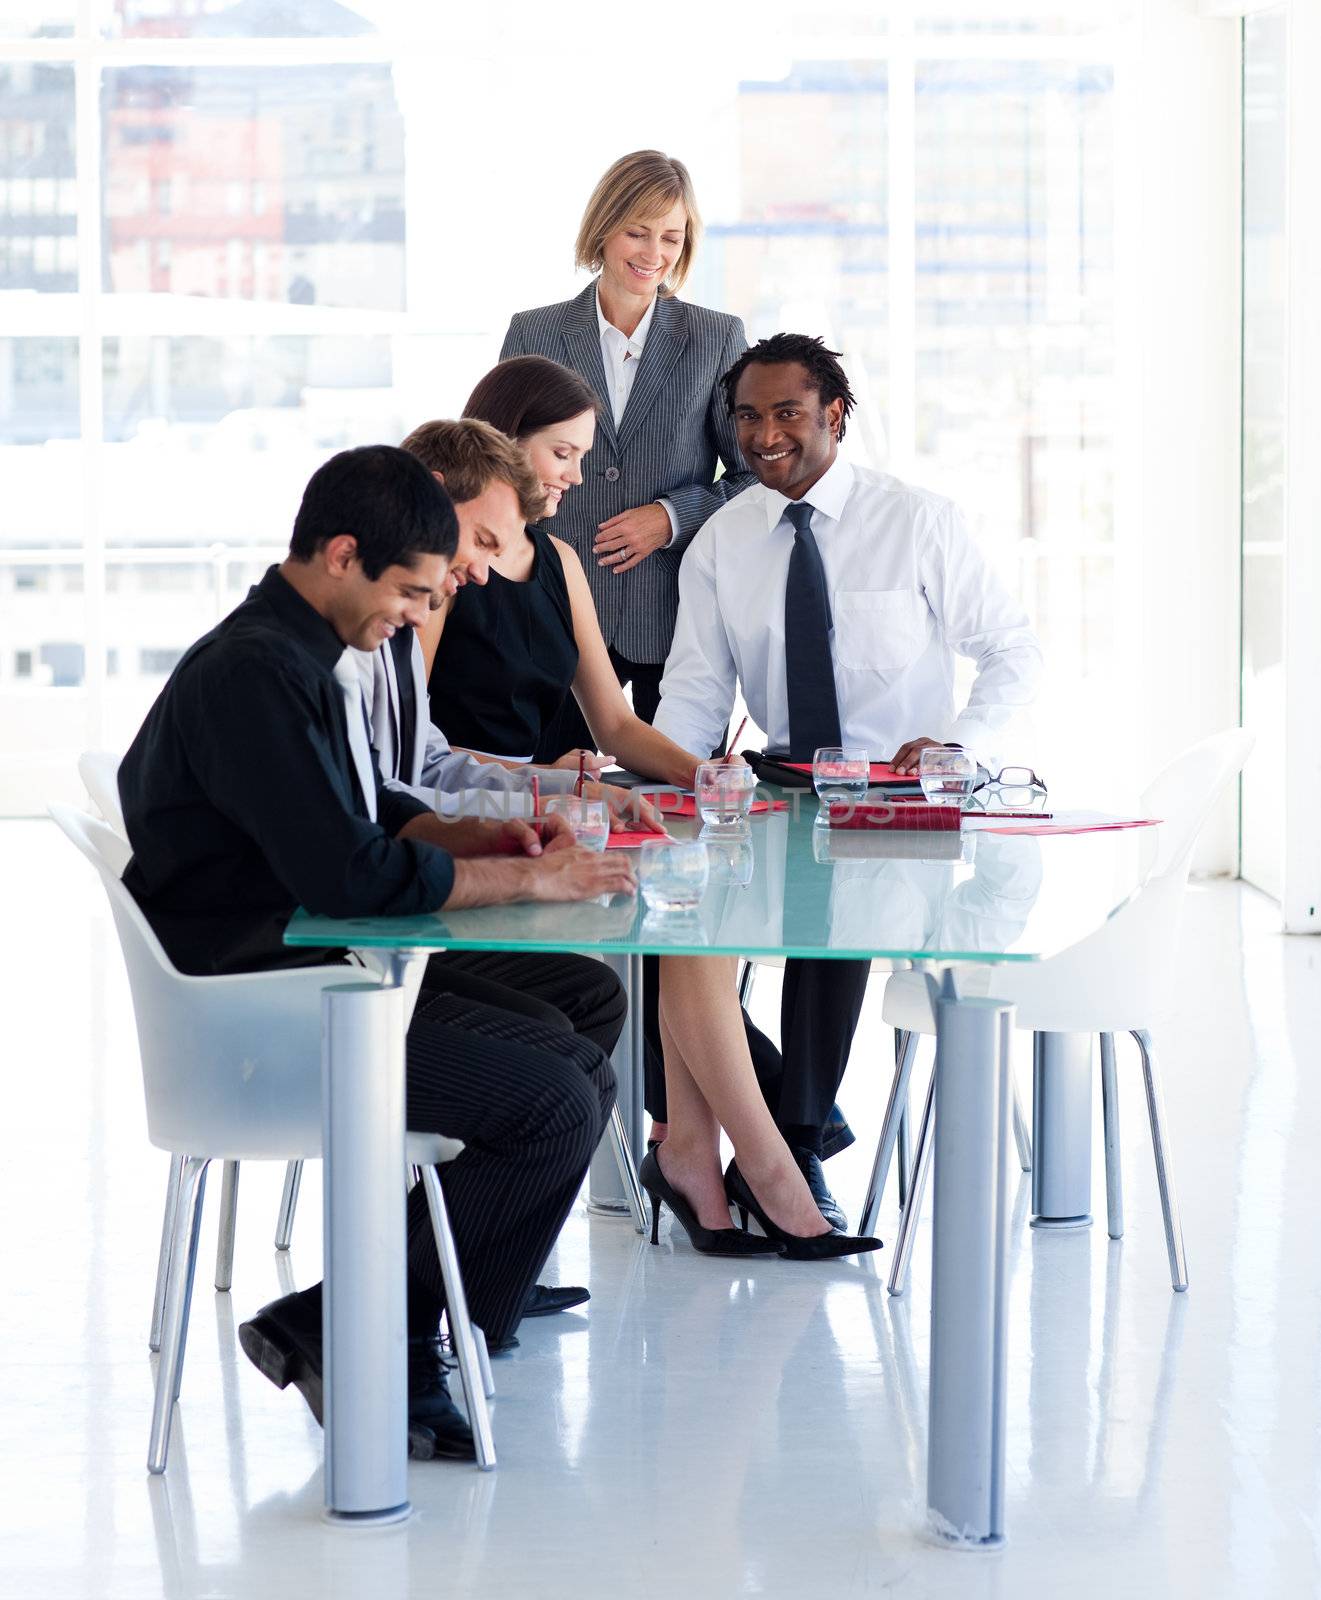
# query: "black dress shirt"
[[242, 802]]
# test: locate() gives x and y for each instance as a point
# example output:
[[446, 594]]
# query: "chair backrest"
[[99, 770], [1120, 977], [1183, 794], [231, 1066]]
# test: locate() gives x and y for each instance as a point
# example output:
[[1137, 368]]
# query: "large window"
[[236, 235]]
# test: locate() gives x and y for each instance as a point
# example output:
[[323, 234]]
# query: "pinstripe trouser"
[[530, 1101]]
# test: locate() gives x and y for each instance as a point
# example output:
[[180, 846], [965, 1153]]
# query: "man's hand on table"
[[907, 756]]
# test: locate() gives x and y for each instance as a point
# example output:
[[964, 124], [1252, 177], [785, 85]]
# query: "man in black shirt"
[[250, 790]]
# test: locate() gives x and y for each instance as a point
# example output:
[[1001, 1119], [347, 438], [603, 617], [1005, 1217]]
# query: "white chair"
[[231, 1069], [1116, 980], [99, 770]]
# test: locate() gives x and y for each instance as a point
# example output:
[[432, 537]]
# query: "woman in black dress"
[[504, 657]]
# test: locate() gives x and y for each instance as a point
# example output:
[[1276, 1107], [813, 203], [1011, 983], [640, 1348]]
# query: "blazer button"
[[611, 474]]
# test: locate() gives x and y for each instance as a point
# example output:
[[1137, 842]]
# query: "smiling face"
[[364, 611], [786, 435], [488, 525], [639, 257], [556, 455]]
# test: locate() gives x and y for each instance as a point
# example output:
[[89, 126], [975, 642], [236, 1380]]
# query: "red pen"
[[582, 773], [536, 795]]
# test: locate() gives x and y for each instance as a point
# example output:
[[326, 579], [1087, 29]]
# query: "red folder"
[[913, 816]]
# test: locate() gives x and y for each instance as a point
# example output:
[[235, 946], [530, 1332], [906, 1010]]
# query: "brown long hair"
[[525, 394]]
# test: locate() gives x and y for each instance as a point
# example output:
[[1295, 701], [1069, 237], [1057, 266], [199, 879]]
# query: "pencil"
[[582, 773], [737, 737], [536, 795]]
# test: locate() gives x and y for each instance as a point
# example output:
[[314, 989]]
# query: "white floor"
[[703, 1431]]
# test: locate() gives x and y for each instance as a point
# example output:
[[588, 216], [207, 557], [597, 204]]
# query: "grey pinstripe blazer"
[[673, 430]]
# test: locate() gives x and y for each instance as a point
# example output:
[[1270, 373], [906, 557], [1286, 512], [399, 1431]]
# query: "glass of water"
[[840, 773], [672, 873], [947, 776], [724, 795], [589, 819]]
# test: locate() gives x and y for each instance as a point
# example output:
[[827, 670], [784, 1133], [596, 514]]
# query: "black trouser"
[[819, 1008], [527, 1086]]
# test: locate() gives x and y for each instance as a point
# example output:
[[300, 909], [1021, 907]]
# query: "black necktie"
[[809, 671]]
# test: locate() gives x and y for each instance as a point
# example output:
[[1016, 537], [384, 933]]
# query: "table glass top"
[[791, 887]]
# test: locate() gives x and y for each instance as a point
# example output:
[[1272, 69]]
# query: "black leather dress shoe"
[[430, 1405], [836, 1135], [284, 1344], [810, 1167], [543, 1299]]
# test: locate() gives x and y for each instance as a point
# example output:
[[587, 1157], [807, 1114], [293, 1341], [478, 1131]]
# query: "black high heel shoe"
[[707, 1241], [793, 1246]]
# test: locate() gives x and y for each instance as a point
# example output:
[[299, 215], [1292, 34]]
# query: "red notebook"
[[881, 772], [912, 816]]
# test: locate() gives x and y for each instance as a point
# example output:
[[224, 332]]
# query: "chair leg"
[[178, 1302], [745, 982], [163, 1262], [1160, 1146], [229, 1212], [628, 1173], [905, 1054], [462, 1338], [484, 1362], [903, 1154], [903, 1249], [1022, 1138], [284, 1223], [1114, 1177]]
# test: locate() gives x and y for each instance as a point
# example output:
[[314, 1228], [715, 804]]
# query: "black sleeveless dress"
[[506, 660]]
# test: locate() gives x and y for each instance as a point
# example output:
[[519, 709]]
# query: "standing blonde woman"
[[654, 362]]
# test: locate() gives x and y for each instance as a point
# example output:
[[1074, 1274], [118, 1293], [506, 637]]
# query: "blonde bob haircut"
[[637, 188]]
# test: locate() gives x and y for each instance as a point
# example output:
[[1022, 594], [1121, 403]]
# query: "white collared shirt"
[[620, 354], [908, 590]]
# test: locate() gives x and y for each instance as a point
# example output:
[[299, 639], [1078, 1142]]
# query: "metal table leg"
[[969, 1270], [1062, 1130], [364, 1308], [606, 1193]]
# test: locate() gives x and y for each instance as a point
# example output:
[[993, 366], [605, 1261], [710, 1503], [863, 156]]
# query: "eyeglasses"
[[1011, 786]]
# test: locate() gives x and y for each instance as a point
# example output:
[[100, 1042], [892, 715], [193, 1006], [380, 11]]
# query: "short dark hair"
[[808, 351], [383, 497], [525, 394]]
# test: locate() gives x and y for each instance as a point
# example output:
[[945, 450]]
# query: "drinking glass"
[[724, 795], [840, 773], [947, 776], [589, 819], [672, 873]]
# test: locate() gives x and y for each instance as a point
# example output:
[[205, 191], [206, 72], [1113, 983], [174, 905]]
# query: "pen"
[[1023, 816], [536, 795], [582, 773]]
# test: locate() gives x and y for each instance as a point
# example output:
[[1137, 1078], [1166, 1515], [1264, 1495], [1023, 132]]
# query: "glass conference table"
[[789, 888]]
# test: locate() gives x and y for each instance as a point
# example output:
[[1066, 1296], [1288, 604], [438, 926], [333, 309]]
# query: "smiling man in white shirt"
[[837, 597]]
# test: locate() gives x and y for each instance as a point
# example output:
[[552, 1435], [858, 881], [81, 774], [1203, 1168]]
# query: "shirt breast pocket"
[[879, 630]]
